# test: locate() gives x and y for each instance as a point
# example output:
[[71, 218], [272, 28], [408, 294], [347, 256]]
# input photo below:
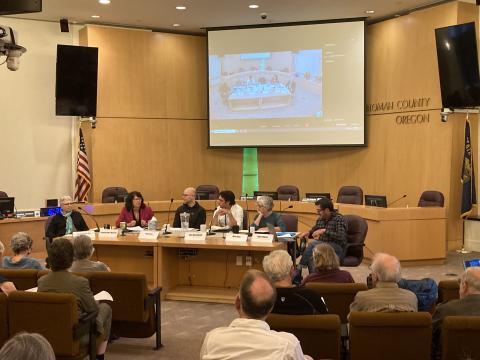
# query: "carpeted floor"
[[184, 324]]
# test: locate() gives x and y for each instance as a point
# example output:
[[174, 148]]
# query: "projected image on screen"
[[285, 85], [280, 84]]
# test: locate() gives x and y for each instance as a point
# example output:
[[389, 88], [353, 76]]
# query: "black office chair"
[[3, 194]]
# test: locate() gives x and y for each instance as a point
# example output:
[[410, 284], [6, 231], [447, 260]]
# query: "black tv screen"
[[76, 85], [458, 65]]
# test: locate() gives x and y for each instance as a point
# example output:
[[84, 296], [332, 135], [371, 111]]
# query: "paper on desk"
[[135, 228], [35, 289], [214, 227], [103, 295], [286, 234]]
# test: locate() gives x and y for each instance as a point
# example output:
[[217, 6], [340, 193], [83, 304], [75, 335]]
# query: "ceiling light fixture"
[[95, 16], [253, 6], [181, 7], [369, 11], [104, 2]]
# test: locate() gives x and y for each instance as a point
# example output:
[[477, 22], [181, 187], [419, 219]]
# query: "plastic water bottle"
[[152, 223], [185, 220]]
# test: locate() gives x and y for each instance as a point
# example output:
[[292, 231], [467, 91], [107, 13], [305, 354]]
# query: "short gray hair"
[[265, 201], [471, 276], [387, 267], [27, 346], [20, 242], [65, 198], [277, 265], [82, 247]]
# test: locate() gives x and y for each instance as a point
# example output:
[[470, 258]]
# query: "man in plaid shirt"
[[330, 228]]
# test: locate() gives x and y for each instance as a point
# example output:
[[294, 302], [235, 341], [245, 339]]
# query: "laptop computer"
[[471, 263], [317, 195], [376, 200]]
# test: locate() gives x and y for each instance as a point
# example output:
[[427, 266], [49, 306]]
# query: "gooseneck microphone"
[[165, 232], [248, 217], [393, 202], [91, 217]]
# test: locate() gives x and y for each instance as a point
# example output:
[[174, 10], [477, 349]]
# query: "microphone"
[[165, 232], [209, 231], [393, 202], [91, 217], [248, 216]]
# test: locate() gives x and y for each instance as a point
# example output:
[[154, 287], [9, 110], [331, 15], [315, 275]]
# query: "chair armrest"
[[84, 325], [153, 296]]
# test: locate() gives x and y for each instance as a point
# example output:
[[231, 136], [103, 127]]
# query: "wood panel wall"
[[152, 120]]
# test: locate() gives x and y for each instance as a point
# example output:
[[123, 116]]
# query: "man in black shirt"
[[291, 300], [197, 213]]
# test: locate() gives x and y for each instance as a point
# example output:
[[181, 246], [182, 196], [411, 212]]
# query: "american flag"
[[83, 182]]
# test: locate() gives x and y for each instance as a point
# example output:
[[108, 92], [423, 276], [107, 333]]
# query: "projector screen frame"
[[270, 25]]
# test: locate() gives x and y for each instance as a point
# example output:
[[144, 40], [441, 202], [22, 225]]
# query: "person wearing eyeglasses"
[[67, 221], [135, 212], [228, 213], [266, 216]]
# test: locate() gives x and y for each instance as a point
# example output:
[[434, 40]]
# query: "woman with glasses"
[[135, 212], [67, 221], [267, 216]]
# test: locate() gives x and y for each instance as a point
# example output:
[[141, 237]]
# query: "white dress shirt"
[[237, 213], [247, 339]]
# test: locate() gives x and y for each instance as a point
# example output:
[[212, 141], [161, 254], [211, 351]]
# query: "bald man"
[[249, 336], [386, 296], [198, 216], [467, 305]]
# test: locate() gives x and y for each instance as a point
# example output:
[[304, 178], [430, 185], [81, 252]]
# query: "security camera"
[[9, 47], [444, 113], [263, 16]]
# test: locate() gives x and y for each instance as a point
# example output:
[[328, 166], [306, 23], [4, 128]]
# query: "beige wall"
[[151, 132], [36, 161]]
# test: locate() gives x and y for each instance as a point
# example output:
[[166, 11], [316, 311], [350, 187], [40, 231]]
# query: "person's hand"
[[222, 211], [302, 235], [264, 229], [143, 223], [131, 223], [317, 233], [8, 287]]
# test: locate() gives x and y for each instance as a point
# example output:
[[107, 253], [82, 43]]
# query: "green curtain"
[[250, 171]]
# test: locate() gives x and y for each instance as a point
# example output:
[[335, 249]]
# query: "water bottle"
[[152, 223], [185, 220]]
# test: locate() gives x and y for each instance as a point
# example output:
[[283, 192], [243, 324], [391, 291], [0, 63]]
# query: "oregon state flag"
[[469, 195]]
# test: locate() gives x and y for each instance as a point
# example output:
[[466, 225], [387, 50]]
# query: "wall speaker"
[[64, 25]]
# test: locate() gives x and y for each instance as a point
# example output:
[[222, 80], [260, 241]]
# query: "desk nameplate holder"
[[236, 238], [195, 236], [89, 233], [108, 234], [148, 235], [262, 238]]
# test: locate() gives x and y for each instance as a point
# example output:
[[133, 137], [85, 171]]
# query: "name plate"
[[108, 234], [148, 235], [262, 238], [231, 237], [89, 233], [195, 236]]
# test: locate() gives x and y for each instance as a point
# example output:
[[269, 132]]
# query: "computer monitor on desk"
[[272, 194], [317, 195], [376, 200], [7, 205]]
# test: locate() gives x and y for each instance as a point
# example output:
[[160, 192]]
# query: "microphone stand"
[[165, 232], [248, 217], [91, 217]]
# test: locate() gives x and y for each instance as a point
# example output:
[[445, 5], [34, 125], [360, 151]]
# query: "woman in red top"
[[135, 212]]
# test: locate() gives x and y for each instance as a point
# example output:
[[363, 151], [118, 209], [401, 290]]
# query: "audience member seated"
[[198, 216], [330, 228], [135, 212], [249, 336], [82, 251], [228, 213], [267, 216], [27, 346], [21, 245], [386, 296], [60, 280], [327, 267], [291, 300], [67, 221], [468, 304]]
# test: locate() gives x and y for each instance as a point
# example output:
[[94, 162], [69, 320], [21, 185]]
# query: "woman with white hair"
[[67, 221], [27, 346], [21, 245], [291, 300], [266, 215], [82, 251]]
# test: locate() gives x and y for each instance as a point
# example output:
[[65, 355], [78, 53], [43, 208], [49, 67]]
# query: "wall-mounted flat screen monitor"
[[376, 200], [7, 205], [76, 83], [272, 194], [317, 195], [50, 211], [458, 65], [287, 84], [202, 195]]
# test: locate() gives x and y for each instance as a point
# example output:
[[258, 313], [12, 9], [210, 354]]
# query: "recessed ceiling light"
[[253, 6], [104, 2], [181, 7], [176, 25], [95, 16], [369, 11]]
